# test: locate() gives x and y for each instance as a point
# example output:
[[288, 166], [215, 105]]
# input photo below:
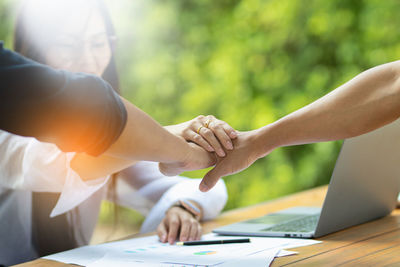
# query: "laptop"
[[364, 186]]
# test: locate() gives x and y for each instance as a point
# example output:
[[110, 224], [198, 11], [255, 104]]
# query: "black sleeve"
[[76, 111]]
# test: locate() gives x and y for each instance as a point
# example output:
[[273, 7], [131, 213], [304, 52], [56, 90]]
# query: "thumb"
[[211, 178]]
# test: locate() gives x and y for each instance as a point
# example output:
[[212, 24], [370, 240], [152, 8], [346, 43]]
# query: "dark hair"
[[26, 43]]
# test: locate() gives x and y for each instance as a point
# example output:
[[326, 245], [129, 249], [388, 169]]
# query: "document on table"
[[148, 251], [259, 259]]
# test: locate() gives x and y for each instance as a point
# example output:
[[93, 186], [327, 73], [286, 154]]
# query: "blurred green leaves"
[[249, 63]]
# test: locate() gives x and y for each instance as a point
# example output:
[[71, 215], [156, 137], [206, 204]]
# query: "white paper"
[[284, 253], [107, 262], [150, 251], [260, 259]]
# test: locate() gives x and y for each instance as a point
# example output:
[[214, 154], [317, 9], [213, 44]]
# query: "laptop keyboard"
[[304, 224]]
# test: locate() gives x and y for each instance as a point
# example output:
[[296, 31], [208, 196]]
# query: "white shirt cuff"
[[212, 202], [75, 191]]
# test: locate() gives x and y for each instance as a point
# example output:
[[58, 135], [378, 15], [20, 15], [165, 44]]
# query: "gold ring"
[[198, 129], [207, 123]]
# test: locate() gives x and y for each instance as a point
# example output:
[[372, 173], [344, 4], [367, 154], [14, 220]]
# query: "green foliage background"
[[249, 63]]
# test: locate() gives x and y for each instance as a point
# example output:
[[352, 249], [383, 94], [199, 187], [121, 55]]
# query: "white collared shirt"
[[28, 165]]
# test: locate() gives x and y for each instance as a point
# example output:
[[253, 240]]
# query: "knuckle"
[[207, 132], [186, 131], [197, 138], [174, 222], [185, 221], [219, 124], [210, 117], [215, 126], [211, 126]]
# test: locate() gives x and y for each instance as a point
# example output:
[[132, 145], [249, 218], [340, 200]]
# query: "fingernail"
[[210, 148], [171, 241], [183, 238], [229, 145], [203, 187], [163, 238], [233, 134], [221, 153]]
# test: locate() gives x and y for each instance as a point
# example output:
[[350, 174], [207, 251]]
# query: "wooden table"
[[376, 243]]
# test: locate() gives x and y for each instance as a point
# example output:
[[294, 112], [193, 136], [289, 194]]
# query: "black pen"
[[213, 242]]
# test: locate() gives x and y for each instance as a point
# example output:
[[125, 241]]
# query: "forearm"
[[367, 102], [145, 139], [89, 167], [142, 139]]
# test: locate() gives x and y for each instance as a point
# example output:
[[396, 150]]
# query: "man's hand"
[[247, 150], [179, 224], [197, 158]]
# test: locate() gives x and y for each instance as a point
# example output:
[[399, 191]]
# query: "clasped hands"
[[210, 142], [213, 142]]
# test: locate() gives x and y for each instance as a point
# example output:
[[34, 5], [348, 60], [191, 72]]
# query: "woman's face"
[[82, 45]]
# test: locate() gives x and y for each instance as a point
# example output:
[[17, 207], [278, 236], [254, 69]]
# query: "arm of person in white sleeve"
[[30, 165], [144, 188]]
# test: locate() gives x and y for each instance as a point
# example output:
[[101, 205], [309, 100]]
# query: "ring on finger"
[[207, 123], [198, 129]]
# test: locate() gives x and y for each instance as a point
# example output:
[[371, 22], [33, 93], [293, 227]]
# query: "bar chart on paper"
[[148, 251], [207, 252], [208, 255], [211, 255]]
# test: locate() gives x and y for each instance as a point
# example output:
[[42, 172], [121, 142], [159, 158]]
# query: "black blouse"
[[76, 111]]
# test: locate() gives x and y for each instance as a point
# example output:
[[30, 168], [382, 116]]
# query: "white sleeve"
[[212, 201], [27, 164], [163, 192]]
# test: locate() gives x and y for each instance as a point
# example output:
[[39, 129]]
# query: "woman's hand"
[[208, 132], [179, 224]]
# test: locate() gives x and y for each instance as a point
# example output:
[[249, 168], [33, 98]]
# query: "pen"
[[213, 242]]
